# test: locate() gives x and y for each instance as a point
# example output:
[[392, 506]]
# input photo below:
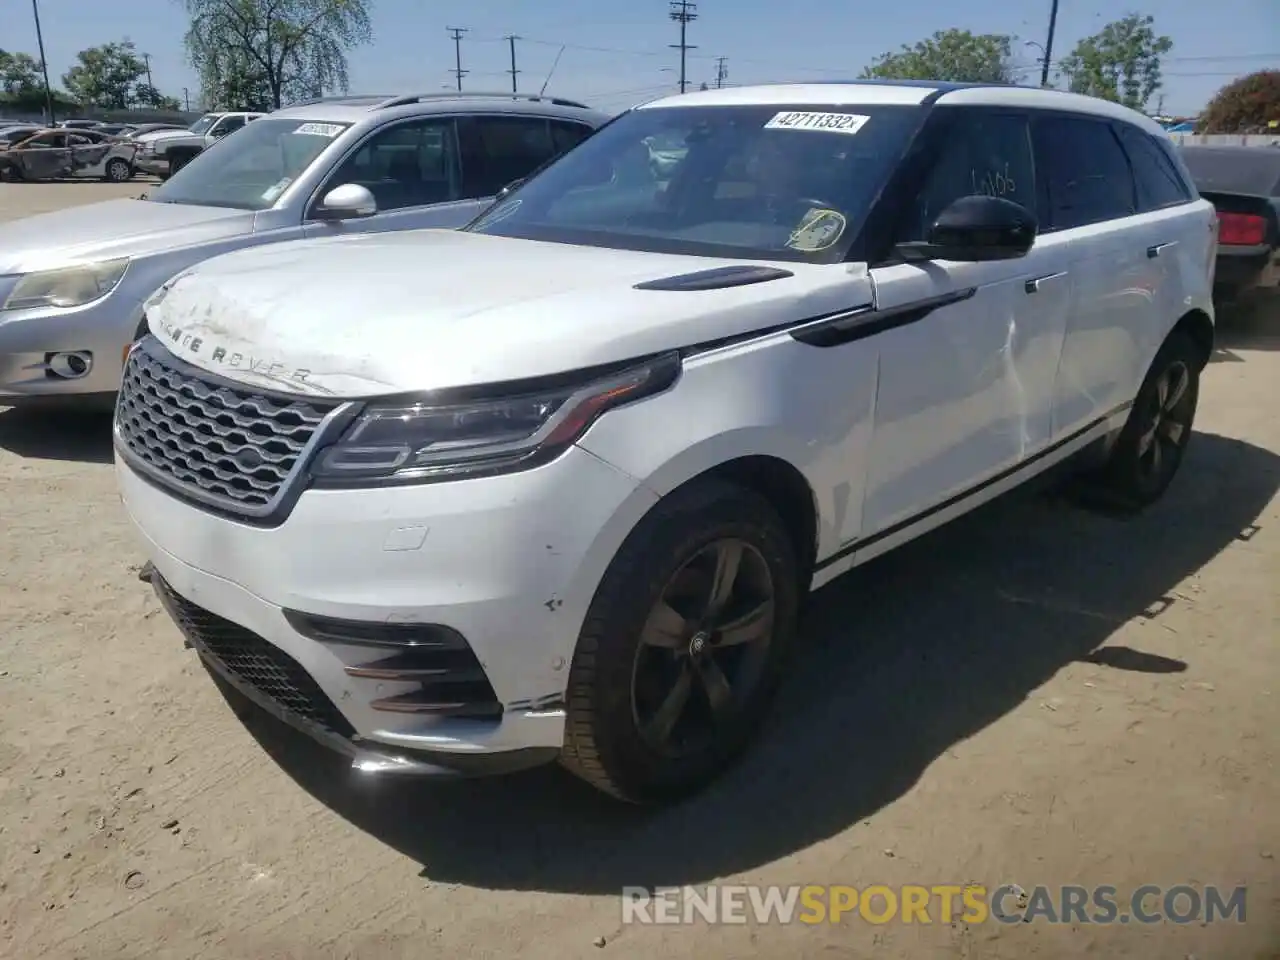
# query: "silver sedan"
[[73, 283]]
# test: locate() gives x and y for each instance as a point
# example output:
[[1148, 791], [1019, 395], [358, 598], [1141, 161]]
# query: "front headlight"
[[426, 441], [66, 287]]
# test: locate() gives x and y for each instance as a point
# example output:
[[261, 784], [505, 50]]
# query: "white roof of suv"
[[872, 92]]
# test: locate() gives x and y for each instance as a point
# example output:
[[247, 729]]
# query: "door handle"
[[1032, 286], [1154, 251]]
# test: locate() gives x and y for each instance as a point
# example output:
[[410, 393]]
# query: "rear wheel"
[[1147, 454], [118, 171], [683, 646]]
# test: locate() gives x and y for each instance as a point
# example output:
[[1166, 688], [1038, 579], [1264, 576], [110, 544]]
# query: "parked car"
[[78, 124], [168, 152], [55, 154], [13, 133], [555, 485], [73, 282], [141, 128], [1243, 184], [114, 129]]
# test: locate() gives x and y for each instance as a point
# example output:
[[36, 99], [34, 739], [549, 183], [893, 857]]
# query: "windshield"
[[250, 169], [203, 124], [756, 182]]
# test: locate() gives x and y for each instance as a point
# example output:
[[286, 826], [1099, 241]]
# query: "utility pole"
[[458, 72], [511, 39], [683, 12], [44, 64], [1048, 44], [146, 58], [722, 71], [186, 98]]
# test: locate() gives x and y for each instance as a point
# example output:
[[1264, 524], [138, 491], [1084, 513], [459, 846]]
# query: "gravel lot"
[[1036, 695]]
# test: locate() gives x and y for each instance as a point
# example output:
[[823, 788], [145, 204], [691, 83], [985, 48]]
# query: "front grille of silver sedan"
[[221, 444]]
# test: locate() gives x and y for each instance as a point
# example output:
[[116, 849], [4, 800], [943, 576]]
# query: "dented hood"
[[385, 313]]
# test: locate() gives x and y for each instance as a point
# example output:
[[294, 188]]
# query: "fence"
[[1228, 139]]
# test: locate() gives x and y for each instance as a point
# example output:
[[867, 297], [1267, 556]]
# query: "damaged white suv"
[[556, 485]]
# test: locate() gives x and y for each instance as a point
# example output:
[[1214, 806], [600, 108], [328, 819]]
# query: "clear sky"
[[616, 51]]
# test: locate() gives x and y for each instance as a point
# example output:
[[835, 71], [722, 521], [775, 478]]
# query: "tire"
[[118, 171], [615, 682], [178, 162], [1149, 450]]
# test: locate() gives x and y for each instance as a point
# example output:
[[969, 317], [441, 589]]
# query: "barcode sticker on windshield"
[[823, 122], [320, 129]]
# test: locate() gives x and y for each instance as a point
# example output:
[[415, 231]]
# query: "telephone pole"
[[511, 39], [1048, 44], [722, 71], [683, 12], [186, 98], [458, 72], [146, 58]]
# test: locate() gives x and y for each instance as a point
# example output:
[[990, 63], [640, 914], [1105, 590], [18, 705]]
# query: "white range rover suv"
[[555, 485]]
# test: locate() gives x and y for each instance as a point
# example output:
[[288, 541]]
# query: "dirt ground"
[[1035, 695]]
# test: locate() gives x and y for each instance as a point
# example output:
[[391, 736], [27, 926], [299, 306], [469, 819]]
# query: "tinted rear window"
[[1251, 170]]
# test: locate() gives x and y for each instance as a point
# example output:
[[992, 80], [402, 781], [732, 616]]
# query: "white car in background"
[[555, 486]]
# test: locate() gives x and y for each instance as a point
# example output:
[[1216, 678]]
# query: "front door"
[[45, 157], [413, 172], [965, 382]]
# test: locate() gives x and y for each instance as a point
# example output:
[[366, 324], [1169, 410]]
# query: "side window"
[[498, 150], [982, 154], [227, 125], [1159, 184], [1087, 174], [407, 165], [566, 135], [77, 141]]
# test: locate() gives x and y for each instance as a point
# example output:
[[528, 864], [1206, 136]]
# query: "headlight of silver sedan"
[[66, 286]]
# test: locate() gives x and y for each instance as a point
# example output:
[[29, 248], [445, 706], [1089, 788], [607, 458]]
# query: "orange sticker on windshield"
[[818, 230]]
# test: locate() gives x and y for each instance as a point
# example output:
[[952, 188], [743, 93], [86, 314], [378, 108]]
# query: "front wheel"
[[683, 646], [1147, 454]]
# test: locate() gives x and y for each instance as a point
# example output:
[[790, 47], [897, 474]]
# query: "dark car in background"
[[1243, 184]]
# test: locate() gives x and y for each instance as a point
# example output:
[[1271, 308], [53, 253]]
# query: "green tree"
[[1246, 105], [145, 95], [19, 74], [1121, 62], [955, 55], [248, 51], [106, 76]]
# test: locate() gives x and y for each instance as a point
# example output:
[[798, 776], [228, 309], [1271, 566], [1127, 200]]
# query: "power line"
[[511, 39], [683, 12], [457, 71]]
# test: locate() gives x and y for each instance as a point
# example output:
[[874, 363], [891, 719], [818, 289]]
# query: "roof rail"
[[409, 98], [357, 99]]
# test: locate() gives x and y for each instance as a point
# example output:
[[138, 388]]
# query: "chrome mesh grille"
[[227, 446]]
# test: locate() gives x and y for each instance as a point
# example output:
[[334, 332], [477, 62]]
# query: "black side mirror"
[[974, 229]]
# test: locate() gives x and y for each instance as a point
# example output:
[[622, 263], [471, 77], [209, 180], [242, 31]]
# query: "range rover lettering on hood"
[[218, 356]]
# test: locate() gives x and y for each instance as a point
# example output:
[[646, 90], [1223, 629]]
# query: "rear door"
[[965, 382], [1176, 230], [498, 150], [1091, 205], [88, 154]]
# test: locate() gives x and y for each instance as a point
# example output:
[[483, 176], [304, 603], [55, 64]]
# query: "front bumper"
[[32, 341], [157, 166], [312, 609]]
